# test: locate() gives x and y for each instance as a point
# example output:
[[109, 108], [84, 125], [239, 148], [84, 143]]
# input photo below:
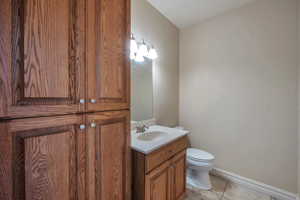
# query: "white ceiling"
[[185, 13]]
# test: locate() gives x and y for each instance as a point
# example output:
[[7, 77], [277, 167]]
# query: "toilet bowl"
[[199, 163]]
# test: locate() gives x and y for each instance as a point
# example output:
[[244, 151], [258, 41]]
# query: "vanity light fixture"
[[138, 51], [139, 57], [143, 49], [133, 45], [152, 53], [132, 55]]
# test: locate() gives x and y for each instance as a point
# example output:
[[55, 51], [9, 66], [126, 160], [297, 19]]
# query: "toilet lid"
[[199, 155]]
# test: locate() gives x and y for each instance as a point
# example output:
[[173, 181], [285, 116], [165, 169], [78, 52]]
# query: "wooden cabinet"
[[42, 158], [158, 183], [42, 54], [63, 56], [61, 62], [179, 175], [108, 66], [161, 174], [59, 158], [108, 141]]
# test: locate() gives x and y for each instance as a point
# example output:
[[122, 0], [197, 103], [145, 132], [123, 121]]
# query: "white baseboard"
[[274, 192]]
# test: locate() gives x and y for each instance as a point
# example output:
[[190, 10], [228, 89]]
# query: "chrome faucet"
[[141, 128]]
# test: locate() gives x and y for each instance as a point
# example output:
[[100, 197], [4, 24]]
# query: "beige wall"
[[298, 99], [149, 24], [238, 90]]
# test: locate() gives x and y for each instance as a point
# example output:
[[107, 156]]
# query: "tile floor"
[[224, 190]]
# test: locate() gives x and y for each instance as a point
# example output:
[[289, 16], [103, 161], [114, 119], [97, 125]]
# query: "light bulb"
[[133, 45], [132, 55], [152, 54], [139, 57], [143, 50]]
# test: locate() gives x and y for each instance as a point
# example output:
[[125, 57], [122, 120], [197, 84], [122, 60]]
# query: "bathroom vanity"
[[159, 164], [158, 153]]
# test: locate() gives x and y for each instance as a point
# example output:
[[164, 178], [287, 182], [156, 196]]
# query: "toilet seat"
[[198, 155]]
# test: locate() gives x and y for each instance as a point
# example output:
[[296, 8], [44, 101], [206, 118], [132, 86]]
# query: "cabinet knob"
[[82, 126], [93, 101], [81, 101], [93, 125]]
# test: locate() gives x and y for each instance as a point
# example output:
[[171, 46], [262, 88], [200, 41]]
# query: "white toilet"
[[199, 163]]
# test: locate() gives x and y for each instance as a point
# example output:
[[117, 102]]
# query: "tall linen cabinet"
[[64, 100]]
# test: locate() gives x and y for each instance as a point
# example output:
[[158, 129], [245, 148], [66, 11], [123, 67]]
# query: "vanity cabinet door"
[[108, 65], [42, 54], [42, 158], [108, 143], [158, 183], [179, 176]]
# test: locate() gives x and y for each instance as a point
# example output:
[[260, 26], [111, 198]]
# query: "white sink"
[[152, 135], [154, 138]]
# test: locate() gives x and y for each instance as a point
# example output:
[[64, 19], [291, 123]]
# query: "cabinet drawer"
[[156, 158]]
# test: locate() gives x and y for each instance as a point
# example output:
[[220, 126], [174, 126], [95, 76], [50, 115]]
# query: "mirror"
[[141, 90]]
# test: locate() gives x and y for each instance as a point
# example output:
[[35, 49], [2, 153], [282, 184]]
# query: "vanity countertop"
[[154, 138]]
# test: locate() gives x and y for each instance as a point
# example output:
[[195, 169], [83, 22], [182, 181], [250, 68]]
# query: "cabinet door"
[[109, 156], [158, 183], [179, 176], [108, 34], [42, 158], [42, 46]]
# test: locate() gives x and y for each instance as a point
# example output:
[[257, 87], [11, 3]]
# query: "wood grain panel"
[[157, 157], [47, 166], [112, 39], [109, 156], [138, 175], [159, 187], [111, 146], [6, 160], [46, 49], [108, 54], [5, 55], [42, 67], [43, 122], [43, 160], [179, 164], [81, 164], [158, 183]]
